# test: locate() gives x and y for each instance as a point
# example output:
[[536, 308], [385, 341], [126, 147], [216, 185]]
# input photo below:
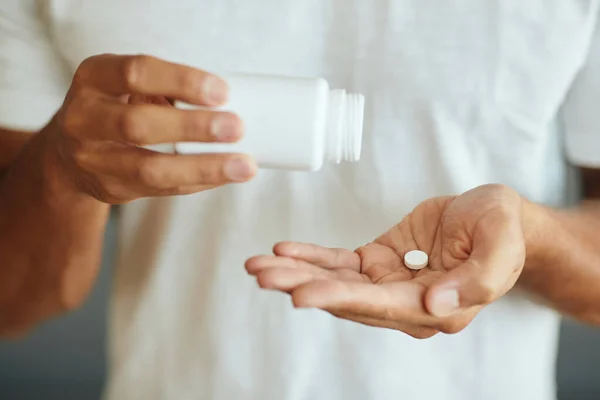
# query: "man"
[[461, 94]]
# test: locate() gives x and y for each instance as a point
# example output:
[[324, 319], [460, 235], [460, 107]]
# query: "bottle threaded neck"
[[345, 126]]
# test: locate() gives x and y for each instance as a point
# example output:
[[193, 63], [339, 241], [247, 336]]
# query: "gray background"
[[64, 360]]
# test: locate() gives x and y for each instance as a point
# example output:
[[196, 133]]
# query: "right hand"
[[117, 104]]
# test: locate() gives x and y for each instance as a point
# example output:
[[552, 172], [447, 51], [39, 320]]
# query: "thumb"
[[491, 270]]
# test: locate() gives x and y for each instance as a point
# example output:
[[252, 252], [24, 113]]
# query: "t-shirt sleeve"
[[33, 81], [581, 111]]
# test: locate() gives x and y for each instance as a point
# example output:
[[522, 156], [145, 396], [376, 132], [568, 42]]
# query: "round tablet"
[[416, 260]]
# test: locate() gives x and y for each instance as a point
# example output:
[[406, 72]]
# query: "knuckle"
[[75, 111], [79, 75], [72, 120], [78, 92], [208, 174], [190, 81], [81, 158], [111, 193], [150, 172], [131, 126], [82, 73], [195, 126], [134, 71]]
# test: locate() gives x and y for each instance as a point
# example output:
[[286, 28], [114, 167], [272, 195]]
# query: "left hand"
[[476, 253]]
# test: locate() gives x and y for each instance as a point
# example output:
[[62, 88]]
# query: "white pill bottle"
[[290, 123]]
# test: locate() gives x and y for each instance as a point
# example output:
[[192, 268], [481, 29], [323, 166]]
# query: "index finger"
[[150, 76], [322, 256]]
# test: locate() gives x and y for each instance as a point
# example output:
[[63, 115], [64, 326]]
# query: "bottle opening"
[[345, 126]]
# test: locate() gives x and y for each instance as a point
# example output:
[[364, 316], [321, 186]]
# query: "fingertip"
[[263, 262], [428, 300], [215, 90], [286, 249], [227, 127], [277, 247], [301, 297], [299, 302], [241, 168], [252, 265], [283, 279], [264, 280], [442, 301], [251, 164]]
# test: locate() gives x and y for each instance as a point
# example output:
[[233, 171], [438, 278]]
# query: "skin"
[[57, 186], [480, 245]]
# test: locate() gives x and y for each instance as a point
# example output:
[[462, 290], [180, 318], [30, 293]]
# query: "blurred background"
[[64, 360]]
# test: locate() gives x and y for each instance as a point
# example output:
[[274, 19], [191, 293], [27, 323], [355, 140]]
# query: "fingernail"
[[216, 91], [445, 303], [226, 127], [239, 169]]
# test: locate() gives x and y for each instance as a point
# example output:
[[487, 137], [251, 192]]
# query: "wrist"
[[56, 168], [38, 194], [63, 202], [52, 184], [538, 228], [53, 164]]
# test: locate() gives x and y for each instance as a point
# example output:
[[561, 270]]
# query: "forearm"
[[563, 258], [51, 239]]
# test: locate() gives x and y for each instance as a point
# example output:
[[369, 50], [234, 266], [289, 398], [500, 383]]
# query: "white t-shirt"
[[459, 93]]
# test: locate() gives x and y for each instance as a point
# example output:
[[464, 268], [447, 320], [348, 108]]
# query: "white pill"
[[416, 260]]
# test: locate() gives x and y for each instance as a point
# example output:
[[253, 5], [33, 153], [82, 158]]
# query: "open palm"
[[476, 253]]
